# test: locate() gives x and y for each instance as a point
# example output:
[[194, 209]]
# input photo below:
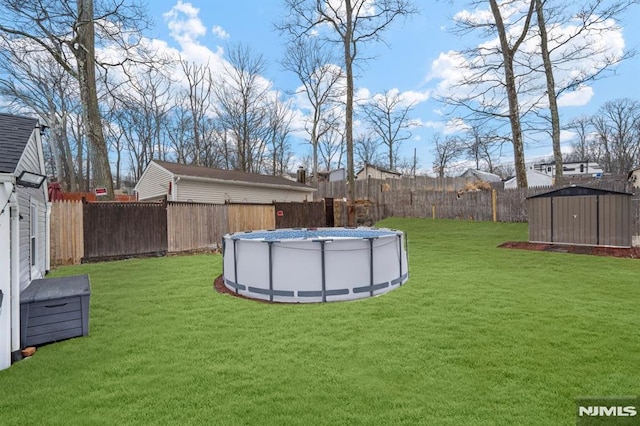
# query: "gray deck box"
[[53, 309]]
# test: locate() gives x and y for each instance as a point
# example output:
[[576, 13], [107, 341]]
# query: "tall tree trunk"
[[348, 60], [551, 93], [508, 53], [85, 55]]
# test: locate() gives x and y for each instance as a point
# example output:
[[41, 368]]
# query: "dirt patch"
[[218, 285], [630, 253]]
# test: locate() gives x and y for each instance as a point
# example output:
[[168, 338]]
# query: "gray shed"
[[582, 216]]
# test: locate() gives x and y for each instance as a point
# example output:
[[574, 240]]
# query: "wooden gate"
[[328, 211], [120, 230], [300, 215]]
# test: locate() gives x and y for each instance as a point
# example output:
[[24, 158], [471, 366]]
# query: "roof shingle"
[[15, 132]]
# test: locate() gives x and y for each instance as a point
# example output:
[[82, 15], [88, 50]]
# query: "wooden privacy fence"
[[244, 217], [175, 227], [192, 226], [95, 231], [300, 215], [67, 238], [114, 230]]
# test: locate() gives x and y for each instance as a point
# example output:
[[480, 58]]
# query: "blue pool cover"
[[298, 234]]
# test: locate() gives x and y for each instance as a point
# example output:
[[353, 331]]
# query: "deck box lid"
[[56, 288]]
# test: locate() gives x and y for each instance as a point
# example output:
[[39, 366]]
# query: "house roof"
[[534, 178], [15, 132], [378, 168], [564, 163], [187, 171], [632, 171], [575, 191], [485, 176]]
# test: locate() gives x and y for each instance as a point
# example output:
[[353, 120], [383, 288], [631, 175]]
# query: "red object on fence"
[[280, 213], [55, 193]]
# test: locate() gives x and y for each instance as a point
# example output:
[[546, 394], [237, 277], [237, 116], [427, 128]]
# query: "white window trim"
[[34, 240]]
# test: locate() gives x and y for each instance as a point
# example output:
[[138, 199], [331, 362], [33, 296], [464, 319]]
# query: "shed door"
[[575, 220]]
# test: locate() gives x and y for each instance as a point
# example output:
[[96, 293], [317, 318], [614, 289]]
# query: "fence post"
[[433, 211], [494, 204]]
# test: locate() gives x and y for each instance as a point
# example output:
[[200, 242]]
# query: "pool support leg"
[[235, 263], [371, 264], [270, 270]]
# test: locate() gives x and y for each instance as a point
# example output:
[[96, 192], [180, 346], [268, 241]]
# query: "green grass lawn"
[[479, 335]]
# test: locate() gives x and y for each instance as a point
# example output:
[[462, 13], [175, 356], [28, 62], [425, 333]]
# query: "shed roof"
[[381, 169], [482, 175], [577, 190], [190, 171], [15, 132]]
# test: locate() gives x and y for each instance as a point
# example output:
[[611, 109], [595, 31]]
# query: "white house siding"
[[154, 183], [5, 280], [32, 161], [375, 173], [219, 192], [634, 178]]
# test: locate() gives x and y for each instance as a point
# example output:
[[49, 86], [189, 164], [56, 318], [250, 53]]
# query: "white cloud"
[[184, 23], [579, 97], [220, 32]]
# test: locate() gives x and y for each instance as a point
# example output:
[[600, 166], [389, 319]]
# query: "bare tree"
[[242, 106], [312, 62], [367, 149], [582, 127], [388, 116], [68, 35], [41, 85], [279, 128], [137, 115], [508, 54], [178, 129], [569, 48], [491, 83], [445, 150], [551, 90], [350, 24], [331, 146], [483, 145], [617, 126], [198, 98]]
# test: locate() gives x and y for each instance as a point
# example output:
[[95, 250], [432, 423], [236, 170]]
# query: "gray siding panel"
[[540, 219], [219, 193], [615, 220], [154, 184], [574, 220], [31, 161]]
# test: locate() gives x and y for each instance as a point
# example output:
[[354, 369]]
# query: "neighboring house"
[[634, 177], [571, 168], [534, 178], [24, 222], [375, 172], [336, 175], [187, 183], [480, 175]]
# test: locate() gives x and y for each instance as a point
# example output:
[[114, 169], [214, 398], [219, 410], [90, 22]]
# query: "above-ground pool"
[[314, 265]]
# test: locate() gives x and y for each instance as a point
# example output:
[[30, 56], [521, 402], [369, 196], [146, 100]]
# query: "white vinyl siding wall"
[[219, 193], [154, 183], [32, 162]]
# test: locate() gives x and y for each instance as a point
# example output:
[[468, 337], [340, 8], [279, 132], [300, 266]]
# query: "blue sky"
[[411, 61]]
